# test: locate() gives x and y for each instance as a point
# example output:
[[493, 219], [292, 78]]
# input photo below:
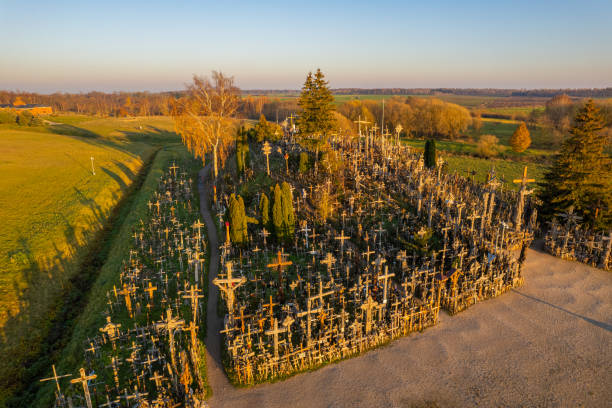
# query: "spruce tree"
[[287, 209], [277, 213], [316, 119], [243, 226], [520, 139], [264, 210], [430, 154], [581, 175], [303, 162]]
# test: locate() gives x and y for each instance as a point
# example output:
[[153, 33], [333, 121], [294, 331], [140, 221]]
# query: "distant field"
[[507, 170], [52, 206]]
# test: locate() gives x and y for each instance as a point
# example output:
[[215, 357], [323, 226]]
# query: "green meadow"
[[55, 213]]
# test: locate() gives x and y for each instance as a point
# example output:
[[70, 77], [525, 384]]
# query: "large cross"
[[275, 332], [127, 291], [83, 379], [280, 264], [267, 150], [368, 306], [342, 238], [193, 294], [150, 289], [170, 324], [329, 261], [522, 192], [386, 277], [228, 286]]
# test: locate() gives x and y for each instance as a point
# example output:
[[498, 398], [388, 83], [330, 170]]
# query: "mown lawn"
[[51, 207]]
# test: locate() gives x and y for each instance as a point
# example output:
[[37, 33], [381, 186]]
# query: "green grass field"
[[88, 322], [52, 207]]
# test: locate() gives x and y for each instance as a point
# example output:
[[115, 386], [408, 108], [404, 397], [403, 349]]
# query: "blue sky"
[[151, 45]]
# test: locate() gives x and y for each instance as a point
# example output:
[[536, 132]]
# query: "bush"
[[520, 139], [25, 118], [7, 116], [488, 146]]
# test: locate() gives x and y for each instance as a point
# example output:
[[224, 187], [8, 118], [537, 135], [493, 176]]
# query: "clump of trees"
[[243, 156], [423, 117], [520, 139], [581, 175], [283, 216], [204, 117]]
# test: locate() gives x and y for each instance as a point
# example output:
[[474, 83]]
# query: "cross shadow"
[[602, 325]]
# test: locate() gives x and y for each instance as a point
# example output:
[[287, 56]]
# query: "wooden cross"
[[385, 277], [170, 324], [280, 264], [368, 306], [150, 289], [174, 168], [55, 378], [157, 379], [267, 150], [522, 192], [367, 254], [342, 238], [275, 332], [270, 306], [321, 293], [228, 286], [127, 291], [83, 379], [193, 294], [329, 261]]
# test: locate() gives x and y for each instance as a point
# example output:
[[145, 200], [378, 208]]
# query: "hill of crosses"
[[326, 259]]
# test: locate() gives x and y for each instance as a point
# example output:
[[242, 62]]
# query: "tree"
[[316, 112], [303, 167], [265, 130], [238, 222], [520, 139], [487, 146], [264, 210], [242, 150], [287, 208], [277, 213], [581, 175], [203, 117], [430, 154]]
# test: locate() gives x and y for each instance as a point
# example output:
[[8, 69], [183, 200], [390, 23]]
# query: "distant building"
[[34, 109]]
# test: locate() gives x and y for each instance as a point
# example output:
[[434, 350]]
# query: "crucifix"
[[127, 291], [329, 261], [170, 324], [342, 238], [521, 200], [368, 306], [83, 379], [193, 294], [228, 285]]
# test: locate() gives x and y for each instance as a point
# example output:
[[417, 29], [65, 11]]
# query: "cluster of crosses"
[[402, 242], [147, 352], [569, 240]]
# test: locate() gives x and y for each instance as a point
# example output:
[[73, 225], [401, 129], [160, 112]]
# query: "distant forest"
[[544, 93]]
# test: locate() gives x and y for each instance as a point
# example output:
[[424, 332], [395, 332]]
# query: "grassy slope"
[[92, 318], [51, 207]]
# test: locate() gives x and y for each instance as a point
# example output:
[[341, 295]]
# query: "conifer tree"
[[430, 154], [264, 210], [581, 175], [520, 139], [316, 113], [287, 208], [242, 150], [303, 162], [277, 213], [236, 220]]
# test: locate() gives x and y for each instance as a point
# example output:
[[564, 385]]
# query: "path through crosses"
[[399, 243], [147, 351]]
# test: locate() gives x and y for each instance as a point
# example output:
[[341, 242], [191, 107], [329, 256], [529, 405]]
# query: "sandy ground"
[[547, 344]]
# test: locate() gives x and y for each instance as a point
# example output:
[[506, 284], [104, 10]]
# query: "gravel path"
[[548, 343]]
